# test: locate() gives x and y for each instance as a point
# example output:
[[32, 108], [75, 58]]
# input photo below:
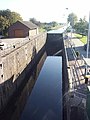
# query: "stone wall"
[[13, 63]]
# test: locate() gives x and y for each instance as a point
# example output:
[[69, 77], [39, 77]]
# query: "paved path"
[[78, 67], [79, 46], [76, 80]]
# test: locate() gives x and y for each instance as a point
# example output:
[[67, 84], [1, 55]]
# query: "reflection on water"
[[27, 89], [17, 108], [45, 100]]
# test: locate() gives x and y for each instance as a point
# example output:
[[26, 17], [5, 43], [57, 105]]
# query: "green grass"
[[41, 30], [83, 39]]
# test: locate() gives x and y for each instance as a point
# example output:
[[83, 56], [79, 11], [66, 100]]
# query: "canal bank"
[[14, 64], [15, 105], [39, 100]]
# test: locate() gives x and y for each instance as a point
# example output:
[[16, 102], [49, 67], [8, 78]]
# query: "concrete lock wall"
[[13, 62]]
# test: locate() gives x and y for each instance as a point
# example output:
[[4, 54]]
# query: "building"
[[22, 29]]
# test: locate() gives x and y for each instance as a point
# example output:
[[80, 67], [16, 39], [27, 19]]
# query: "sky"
[[47, 10]]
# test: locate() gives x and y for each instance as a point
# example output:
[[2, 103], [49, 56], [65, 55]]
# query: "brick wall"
[[18, 26]]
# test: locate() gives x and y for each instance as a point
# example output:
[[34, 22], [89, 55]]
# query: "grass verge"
[[82, 38]]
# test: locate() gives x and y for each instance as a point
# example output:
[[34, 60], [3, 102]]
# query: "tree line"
[[7, 18], [80, 26], [44, 25]]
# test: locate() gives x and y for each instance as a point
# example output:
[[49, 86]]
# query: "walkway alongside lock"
[[78, 91]]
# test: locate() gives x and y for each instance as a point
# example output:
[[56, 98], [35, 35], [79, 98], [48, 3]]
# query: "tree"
[[7, 18], [81, 26], [33, 20], [54, 23], [4, 23], [15, 17], [11, 16], [72, 18]]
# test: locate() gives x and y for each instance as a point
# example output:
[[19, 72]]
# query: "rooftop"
[[29, 24]]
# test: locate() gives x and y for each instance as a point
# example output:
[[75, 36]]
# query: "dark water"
[[45, 100], [22, 98]]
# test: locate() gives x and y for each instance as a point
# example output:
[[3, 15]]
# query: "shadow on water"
[[45, 100], [16, 105]]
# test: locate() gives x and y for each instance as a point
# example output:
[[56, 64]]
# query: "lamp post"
[[66, 22], [88, 38], [67, 19]]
